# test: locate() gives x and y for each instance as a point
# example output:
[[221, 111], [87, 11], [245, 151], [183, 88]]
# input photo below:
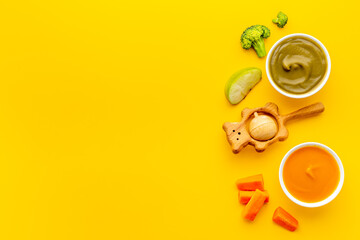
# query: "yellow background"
[[111, 119]]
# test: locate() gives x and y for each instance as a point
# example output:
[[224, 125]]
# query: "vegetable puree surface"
[[297, 65], [311, 174]]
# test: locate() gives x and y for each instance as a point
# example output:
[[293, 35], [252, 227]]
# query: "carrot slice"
[[244, 196], [251, 183], [285, 220], [254, 205]]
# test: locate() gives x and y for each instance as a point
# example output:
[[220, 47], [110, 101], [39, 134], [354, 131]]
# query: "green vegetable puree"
[[297, 65]]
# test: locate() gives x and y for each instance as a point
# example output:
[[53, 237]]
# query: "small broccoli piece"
[[281, 20], [254, 37]]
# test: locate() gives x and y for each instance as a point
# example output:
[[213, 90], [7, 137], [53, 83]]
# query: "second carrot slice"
[[254, 205], [245, 196], [251, 183]]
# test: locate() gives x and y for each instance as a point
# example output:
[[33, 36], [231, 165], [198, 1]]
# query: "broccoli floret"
[[254, 37], [281, 20]]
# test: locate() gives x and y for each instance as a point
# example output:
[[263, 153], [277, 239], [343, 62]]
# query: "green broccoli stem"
[[259, 47], [275, 20]]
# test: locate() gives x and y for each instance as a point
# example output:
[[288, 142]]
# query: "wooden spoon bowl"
[[238, 132]]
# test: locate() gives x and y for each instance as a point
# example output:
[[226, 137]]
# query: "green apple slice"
[[240, 84]]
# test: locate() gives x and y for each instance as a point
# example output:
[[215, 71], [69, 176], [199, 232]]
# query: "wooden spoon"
[[238, 132]]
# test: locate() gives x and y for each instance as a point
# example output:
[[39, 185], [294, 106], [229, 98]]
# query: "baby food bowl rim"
[[316, 88], [328, 199]]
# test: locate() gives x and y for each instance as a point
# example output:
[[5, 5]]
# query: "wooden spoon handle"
[[308, 111]]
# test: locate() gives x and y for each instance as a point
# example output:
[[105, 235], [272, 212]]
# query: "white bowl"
[[328, 199], [316, 88]]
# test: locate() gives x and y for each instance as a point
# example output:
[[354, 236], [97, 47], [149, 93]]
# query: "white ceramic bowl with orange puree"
[[311, 174]]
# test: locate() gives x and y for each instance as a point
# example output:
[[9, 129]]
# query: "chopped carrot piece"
[[285, 220], [254, 205], [244, 196], [251, 183]]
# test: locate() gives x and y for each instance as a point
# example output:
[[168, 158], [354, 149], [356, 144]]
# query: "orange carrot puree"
[[311, 174]]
